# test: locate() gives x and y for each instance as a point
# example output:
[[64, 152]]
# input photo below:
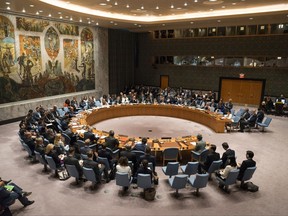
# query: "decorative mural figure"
[[52, 43], [30, 60], [67, 29], [29, 24], [87, 53]]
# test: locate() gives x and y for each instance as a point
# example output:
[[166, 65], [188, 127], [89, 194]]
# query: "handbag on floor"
[[63, 174]]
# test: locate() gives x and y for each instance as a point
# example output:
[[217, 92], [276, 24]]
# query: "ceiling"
[[149, 15]]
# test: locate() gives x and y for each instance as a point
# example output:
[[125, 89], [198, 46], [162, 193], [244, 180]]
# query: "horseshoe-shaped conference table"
[[185, 144]]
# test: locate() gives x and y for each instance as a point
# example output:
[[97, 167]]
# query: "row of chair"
[[191, 175]]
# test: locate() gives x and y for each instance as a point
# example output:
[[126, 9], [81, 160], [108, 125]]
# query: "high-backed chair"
[[41, 160], [178, 182], [51, 164], [231, 179], [265, 123], [66, 137], [198, 181], [214, 167], [72, 170], [138, 154], [104, 161], [199, 156], [171, 169], [144, 181], [90, 176], [170, 154], [247, 175], [115, 153], [190, 168], [123, 180], [235, 121], [28, 150]]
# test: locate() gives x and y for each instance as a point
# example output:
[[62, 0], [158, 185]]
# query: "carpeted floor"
[[54, 197]]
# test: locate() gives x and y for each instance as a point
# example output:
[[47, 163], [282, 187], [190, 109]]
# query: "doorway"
[[164, 81]]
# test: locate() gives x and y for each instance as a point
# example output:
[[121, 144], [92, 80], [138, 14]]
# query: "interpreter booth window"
[[212, 31], [234, 61], [221, 31], [219, 61], [186, 60], [202, 32], [206, 60], [241, 30], [163, 34], [170, 60], [230, 30], [171, 33], [254, 61], [263, 29], [282, 61], [271, 62], [156, 34], [252, 29], [279, 28]]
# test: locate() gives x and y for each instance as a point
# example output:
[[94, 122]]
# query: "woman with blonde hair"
[[58, 143], [51, 152]]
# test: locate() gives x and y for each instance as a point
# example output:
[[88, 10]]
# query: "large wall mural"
[[51, 59]]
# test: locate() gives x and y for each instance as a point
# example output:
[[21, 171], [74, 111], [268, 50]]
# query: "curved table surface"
[[90, 117]]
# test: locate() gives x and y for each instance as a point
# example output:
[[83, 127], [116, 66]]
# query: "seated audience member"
[[131, 156], [227, 154], [260, 115], [144, 169], [200, 144], [150, 158], [123, 167], [84, 149], [50, 135], [9, 192], [228, 106], [58, 144], [245, 115], [50, 151], [71, 160], [212, 156], [245, 164], [111, 142], [141, 146], [106, 154], [251, 121], [90, 135], [223, 174], [97, 168], [29, 140]]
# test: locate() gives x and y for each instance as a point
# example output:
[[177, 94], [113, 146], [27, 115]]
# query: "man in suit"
[[250, 121], [86, 148], [71, 160], [8, 196], [141, 146], [111, 142], [90, 135], [148, 157], [212, 156], [227, 154], [200, 144], [245, 164], [97, 168]]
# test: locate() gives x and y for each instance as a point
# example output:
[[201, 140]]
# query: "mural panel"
[[29, 24], [67, 29], [23, 77]]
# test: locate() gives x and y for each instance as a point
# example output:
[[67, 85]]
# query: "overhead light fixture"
[[8, 8], [185, 4], [279, 57], [251, 18], [172, 6], [116, 3], [218, 21], [142, 7], [97, 23], [61, 17], [191, 22], [7, 3], [80, 20], [89, 22], [31, 5], [37, 13], [103, 4], [40, 11], [234, 3], [23, 10], [49, 15], [157, 7], [127, 6], [71, 18], [223, 6], [195, 0]]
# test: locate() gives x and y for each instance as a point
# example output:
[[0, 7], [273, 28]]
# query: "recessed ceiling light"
[[116, 3], [234, 3], [97, 23], [80, 20], [211, 9], [8, 8], [179, 8], [49, 15], [61, 17], [71, 18], [59, 13], [157, 7], [191, 22], [185, 4], [142, 7], [279, 57], [66, 17], [219, 21], [103, 4], [127, 6], [223, 6], [111, 21], [23, 10], [115, 24], [40, 11], [7, 3], [172, 6], [195, 0], [37, 13], [163, 24], [251, 18], [89, 22], [212, 0], [31, 5], [139, 26], [108, 0]]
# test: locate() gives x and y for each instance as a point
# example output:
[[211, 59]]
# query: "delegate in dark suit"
[[89, 163], [246, 163], [111, 142], [71, 160], [250, 121], [212, 156], [227, 154]]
